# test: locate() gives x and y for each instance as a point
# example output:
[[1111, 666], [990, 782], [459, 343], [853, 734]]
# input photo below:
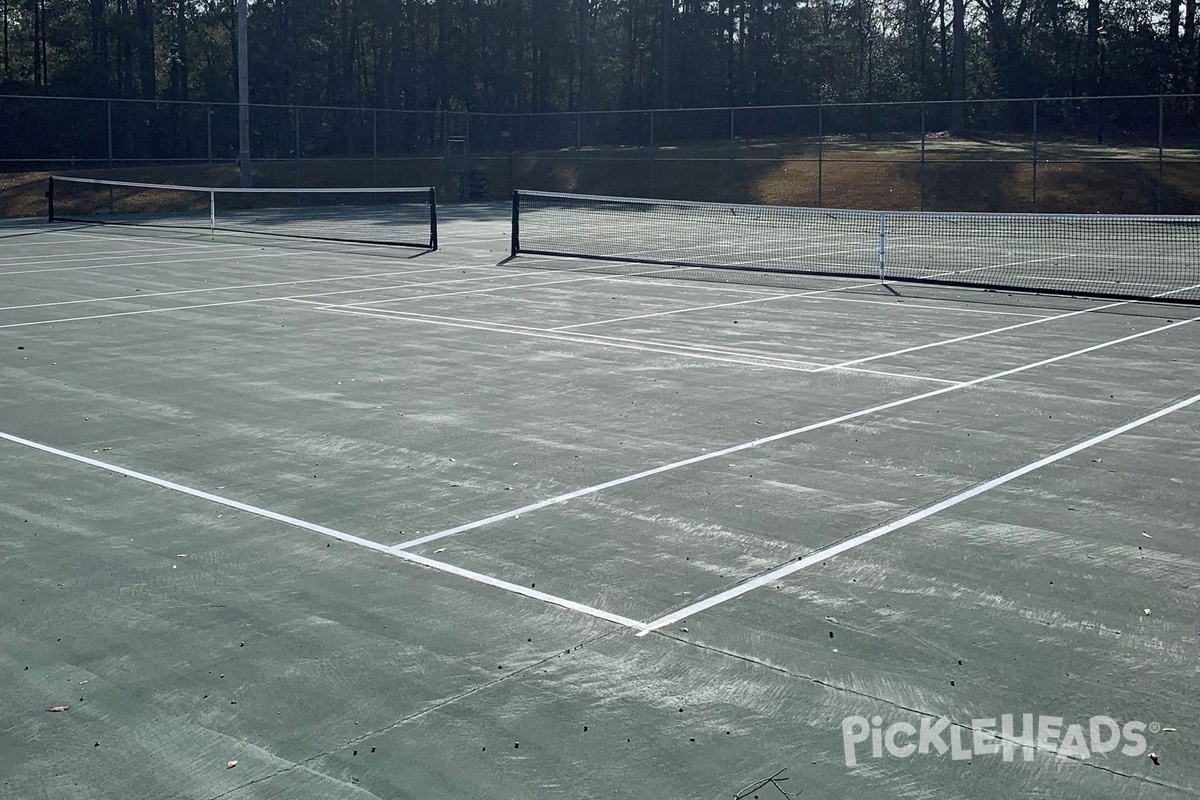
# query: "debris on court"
[[231, 764], [58, 709], [1153, 757], [1146, 611]]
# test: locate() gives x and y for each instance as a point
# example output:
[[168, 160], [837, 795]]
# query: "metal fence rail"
[[993, 155]]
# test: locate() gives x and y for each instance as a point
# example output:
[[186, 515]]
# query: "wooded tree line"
[[566, 55]]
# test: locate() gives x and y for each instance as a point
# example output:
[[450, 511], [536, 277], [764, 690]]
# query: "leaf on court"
[[1148, 536], [58, 709], [1146, 611], [231, 764], [439, 550]]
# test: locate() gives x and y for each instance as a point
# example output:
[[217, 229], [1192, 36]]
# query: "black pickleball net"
[[1128, 257], [394, 216]]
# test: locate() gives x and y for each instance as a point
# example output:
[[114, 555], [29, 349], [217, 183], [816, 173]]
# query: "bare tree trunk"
[[958, 81], [1093, 44], [145, 22], [666, 32], [943, 55], [37, 42]]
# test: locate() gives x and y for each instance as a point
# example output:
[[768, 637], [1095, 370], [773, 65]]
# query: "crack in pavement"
[[304, 763]]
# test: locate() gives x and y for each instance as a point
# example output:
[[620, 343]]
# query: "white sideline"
[[323, 530], [862, 538]]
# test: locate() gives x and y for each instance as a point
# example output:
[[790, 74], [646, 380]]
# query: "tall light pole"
[[243, 97]]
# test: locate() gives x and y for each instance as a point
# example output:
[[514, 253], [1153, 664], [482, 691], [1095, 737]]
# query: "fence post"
[[375, 147], [820, 155], [921, 173], [110, 133], [578, 131], [1159, 198], [208, 128], [653, 158], [1035, 152]]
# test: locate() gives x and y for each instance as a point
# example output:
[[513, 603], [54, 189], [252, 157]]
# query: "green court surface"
[[381, 523]]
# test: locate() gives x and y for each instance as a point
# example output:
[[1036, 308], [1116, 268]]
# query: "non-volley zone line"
[[857, 541], [325, 530], [727, 451]]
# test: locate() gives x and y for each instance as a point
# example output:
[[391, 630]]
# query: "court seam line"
[[843, 546], [323, 530], [746, 359], [687, 462]]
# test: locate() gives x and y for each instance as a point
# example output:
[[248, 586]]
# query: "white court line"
[[731, 304], [296, 298], [109, 257], [127, 234], [861, 539], [390, 274], [28, 259], [153, 263], [734, 288], [646, 345], [969, 336], [323, 530], [395, 316], [906, 350], [588, 490], [372, 304]]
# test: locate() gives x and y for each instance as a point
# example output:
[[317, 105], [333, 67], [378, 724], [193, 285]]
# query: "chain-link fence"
[[1108, 154]]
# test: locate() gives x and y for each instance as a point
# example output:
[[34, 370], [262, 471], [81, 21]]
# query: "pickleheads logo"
[[1003, 736]]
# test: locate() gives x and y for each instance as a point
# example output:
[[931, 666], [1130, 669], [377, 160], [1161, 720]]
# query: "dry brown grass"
[[957, 174]]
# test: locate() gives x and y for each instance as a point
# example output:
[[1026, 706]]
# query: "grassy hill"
[[955, 174]]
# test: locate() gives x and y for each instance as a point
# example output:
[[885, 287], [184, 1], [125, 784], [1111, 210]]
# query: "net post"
[[516, 223], [882, 244], [433, 232], [50, 200], [212, 211]]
